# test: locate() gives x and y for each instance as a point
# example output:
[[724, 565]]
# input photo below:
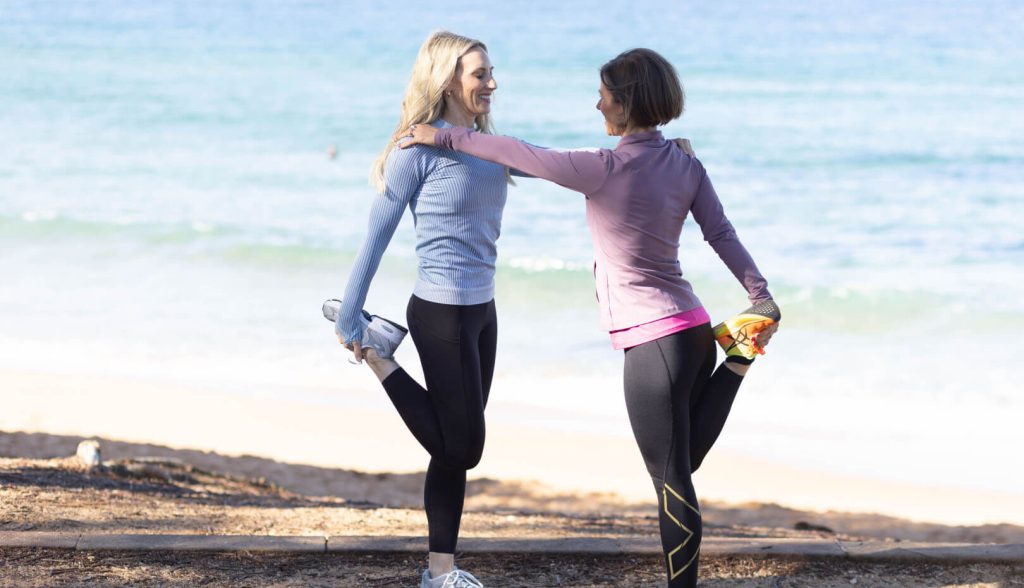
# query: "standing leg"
[[659, 377]]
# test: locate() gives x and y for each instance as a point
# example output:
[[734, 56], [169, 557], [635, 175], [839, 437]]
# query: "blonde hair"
[[436, 67]]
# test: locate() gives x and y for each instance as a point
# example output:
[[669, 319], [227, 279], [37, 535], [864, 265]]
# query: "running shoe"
[[382, 335], [738, 335], [454, 579]]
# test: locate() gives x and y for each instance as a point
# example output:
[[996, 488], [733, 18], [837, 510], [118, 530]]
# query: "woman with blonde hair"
[[457, 202]]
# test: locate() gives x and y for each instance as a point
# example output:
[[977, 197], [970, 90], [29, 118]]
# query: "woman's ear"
[[622, 115], [454, 87]]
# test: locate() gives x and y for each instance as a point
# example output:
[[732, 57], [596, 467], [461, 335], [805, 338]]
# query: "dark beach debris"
[[162, 476], [805, 526]]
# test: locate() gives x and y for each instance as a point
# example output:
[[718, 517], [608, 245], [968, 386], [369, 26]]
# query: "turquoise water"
[[167, 208]]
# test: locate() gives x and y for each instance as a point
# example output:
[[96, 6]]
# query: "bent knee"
[[464, 458]]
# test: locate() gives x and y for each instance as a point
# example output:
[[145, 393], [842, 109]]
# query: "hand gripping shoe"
[[382, 335], [738, 335]]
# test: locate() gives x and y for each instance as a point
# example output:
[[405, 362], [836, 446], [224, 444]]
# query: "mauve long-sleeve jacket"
[[638, 196]]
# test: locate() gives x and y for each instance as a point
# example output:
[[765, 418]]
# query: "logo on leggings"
[[667, 491]]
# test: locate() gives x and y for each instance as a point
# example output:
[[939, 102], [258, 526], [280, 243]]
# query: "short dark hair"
[[646, 85]]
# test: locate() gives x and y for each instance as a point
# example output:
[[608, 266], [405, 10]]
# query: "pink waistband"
[[640, 334]]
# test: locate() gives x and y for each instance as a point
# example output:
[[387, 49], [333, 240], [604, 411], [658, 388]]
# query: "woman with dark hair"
[[638, 196]]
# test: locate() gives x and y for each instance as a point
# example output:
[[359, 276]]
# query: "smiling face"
[[614, 113], [469, 94]]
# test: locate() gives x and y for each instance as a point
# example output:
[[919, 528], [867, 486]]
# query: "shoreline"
[[375, 441]]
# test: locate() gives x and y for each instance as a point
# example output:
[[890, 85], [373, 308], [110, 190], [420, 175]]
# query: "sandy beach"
[[181, 460], [293, 443]]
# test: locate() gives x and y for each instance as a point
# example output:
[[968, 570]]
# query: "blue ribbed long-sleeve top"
[[456, 202]]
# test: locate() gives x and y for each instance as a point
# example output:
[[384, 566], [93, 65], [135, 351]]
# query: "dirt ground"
[[162, 489], [166, 497], [168, 491], [32, 568]]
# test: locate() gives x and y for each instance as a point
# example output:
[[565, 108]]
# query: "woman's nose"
[[493, 84]]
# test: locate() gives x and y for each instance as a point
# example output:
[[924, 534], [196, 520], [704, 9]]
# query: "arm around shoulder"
[[582, 171]]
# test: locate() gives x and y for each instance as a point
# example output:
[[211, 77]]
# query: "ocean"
[[168, 209]]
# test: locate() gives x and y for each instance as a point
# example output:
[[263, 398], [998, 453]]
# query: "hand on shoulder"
[[685, 145], [418, 134]]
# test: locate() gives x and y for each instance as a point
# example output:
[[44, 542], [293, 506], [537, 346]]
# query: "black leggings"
[[456, 345], [677, 407]]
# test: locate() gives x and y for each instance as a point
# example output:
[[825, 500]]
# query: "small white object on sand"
[[89, 453]]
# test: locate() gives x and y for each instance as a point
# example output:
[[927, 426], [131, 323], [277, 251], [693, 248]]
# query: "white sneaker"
[[454, 579], [382, 335]]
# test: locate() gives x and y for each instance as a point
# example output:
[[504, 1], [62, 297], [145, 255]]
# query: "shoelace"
[[460, 579]]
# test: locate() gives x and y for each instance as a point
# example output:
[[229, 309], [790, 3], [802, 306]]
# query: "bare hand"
[[418, 134], [763, 337], [357, 350], [355, 347], [684, 144]]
